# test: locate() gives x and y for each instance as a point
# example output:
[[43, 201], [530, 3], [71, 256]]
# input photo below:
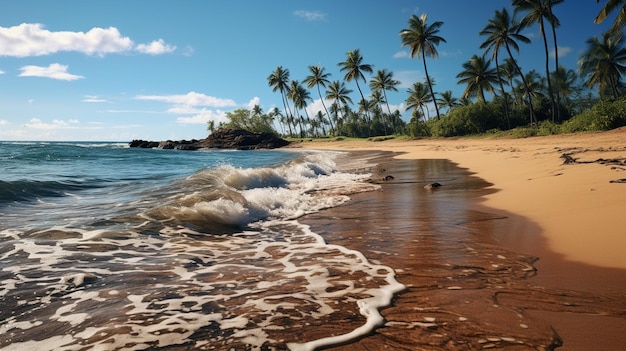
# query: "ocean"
[[106, 247]]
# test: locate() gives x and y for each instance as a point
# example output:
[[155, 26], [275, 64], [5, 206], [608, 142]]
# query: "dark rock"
[[144, 144], [220, 139], [432, 186], [242, 140]]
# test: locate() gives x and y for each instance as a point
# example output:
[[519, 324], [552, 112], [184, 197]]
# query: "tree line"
[[518, 98]]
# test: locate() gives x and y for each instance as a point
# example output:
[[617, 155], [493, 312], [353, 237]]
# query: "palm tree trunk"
[[550, 91], [556, 62], [530, 98], [330, 120], [367, 115], [287, 110], [430, 86], [506, 102]]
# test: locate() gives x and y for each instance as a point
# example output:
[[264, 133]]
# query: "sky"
[[161, 69]]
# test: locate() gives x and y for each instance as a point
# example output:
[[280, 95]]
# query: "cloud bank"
[[32, 39]]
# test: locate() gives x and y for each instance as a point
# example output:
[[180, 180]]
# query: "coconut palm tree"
[[279, 80], [536, 12], [533, 80], [564, 82], [319, 78], [479, 76], [355, 69], [603, 64], [422, 39], [300, 97], [447, 100], [383, 81], [620, 19], [508, 71], [376, 100], [418, 98], [503, 31], [340, 95]]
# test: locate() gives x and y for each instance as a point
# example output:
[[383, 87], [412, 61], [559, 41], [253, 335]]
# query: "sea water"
[[106, 247]]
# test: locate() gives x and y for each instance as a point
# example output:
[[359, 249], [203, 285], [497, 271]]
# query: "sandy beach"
[[552, 203]]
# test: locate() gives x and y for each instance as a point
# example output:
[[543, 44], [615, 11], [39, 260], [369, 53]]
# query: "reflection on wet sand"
[[466, 290]]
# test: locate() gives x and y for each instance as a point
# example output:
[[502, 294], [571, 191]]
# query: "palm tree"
[[275, 112], [508, 71], [620, 19], [299, 95], [338, 92], [534, 84], [354, 68], [279, 80], [565, 84], [418, 98], [320, 121], [536, 12], [376, 100], [603, 64], [319, 78], [447, 100], [384, 81], [478, 76], [422, 39], [503, 31]]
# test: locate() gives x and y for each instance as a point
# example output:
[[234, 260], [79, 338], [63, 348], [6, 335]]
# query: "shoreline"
[[519, 170], [567, 201]]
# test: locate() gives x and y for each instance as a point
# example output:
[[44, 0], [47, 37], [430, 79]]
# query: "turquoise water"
[[114, 248]]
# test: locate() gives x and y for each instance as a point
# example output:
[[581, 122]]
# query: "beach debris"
[[568, 159], [78, 279], [434, 185], [388, 178], [623, 180]]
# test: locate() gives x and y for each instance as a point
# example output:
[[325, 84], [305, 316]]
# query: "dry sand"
[[565, 201]]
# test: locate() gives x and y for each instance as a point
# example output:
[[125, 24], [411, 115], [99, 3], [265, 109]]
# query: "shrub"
[[602, 116], [471, 119], [548, 128]]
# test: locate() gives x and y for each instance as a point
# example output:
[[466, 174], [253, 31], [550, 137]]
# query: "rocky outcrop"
[[236, 139]]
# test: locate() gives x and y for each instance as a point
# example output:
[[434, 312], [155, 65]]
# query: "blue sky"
[[121, 70]]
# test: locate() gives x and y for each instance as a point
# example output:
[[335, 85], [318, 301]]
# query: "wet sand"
[[478, 275]]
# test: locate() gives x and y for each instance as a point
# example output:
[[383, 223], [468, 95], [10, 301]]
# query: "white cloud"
[[402, 54], [3, 122], [456, 53], [310, 15], [563, 51], [407, 78], [54, 71], [31, 39], [156, 47], [203, 117], [1, 71], [190, 99], [56, 124], [316, 106], [253, 102], [93, 98]]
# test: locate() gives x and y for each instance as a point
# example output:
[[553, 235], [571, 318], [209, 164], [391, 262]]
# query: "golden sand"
[[580, 206]]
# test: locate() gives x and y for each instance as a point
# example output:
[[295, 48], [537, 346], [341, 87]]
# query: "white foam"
[[158, 284]]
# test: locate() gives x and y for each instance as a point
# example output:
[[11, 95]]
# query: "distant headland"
[[224, 138]]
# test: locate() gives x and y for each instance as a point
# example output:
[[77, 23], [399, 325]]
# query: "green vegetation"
[[499, 98]]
